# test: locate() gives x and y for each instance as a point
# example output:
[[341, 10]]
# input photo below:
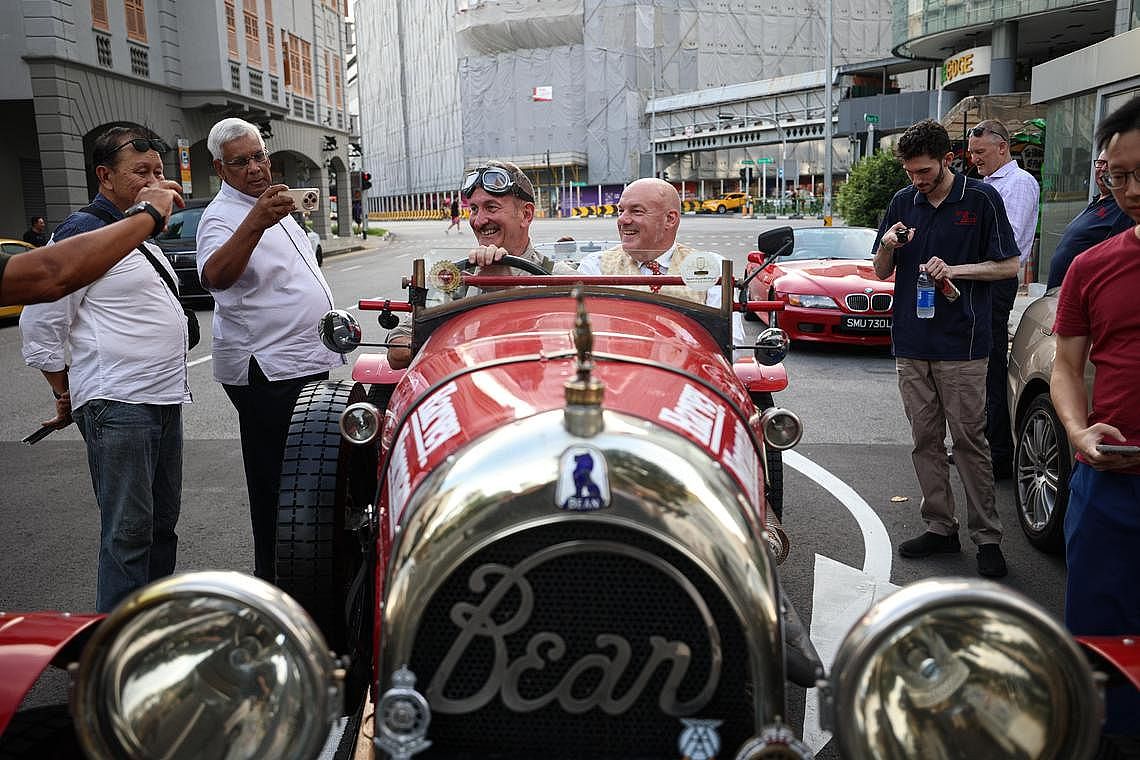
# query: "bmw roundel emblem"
[[868, 291]]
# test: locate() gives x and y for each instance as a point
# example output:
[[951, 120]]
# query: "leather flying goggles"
[[142, 145], [496, 181]]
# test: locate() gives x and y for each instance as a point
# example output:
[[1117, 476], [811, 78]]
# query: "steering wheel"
[[514, 262]]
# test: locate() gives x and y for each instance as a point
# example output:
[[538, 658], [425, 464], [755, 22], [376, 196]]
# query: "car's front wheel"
[[1042, 464], [774, 485], [721, 209]]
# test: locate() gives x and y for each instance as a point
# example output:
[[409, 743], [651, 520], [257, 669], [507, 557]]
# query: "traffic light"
[[365, 180]]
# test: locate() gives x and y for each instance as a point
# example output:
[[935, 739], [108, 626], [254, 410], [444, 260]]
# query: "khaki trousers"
[[940, 393]]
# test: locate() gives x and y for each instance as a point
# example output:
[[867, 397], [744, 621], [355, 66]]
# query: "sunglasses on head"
[[981, 129], [142, 145], [496, 181]]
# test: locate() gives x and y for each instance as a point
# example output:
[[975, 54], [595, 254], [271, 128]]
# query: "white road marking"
[[841, 594]]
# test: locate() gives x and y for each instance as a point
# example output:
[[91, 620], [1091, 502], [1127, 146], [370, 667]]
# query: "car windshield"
[[183, 224], [832, 243], [572, 251]]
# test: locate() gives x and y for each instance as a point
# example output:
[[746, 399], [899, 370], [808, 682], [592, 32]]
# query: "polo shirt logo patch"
[[966, 218], [1101, 212]]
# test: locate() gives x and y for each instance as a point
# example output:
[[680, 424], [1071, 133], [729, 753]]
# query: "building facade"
[[561, 87], [77, 68]]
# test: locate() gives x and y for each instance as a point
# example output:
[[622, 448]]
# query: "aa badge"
[[699, 739]]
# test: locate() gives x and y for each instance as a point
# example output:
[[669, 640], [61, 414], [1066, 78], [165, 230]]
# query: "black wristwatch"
[[155, 214]]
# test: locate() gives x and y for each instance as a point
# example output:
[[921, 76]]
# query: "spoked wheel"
[[774, 485], [326, 485], [1042, 464]]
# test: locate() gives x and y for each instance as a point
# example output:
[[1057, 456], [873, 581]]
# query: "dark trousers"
[[265, 408], [998, 431]]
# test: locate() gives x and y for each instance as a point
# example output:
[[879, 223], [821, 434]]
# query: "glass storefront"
[[1066, 174]]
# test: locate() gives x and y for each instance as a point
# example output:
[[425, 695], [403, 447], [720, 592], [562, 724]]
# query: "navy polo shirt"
[[1097, 223], [968, 227]]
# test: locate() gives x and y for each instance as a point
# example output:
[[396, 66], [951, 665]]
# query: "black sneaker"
[[991, 562], [930, 543]]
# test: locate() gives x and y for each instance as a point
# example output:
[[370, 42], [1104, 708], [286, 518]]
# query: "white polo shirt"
[[271, 311]]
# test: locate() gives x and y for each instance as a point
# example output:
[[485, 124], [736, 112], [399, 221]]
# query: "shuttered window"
[[231, 31], [136, 20], [99, 15]]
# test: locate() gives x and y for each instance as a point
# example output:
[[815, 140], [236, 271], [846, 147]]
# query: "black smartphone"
[[903, 235], [37, 436]]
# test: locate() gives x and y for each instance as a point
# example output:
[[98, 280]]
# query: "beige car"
[[1042, 459]]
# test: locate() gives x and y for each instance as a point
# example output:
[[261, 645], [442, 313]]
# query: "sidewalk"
[[346, 244]]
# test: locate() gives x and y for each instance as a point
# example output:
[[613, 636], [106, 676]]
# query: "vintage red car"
[[828, 286], [549, 536]]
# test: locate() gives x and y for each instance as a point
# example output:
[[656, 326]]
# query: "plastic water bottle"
[[925, 294]]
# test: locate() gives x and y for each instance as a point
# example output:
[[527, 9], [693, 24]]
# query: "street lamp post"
[[827, 147]]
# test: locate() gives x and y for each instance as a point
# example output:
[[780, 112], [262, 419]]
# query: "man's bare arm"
[[983, 270], [51, 272]]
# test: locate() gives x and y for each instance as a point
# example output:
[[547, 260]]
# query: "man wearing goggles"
[[989, 152], [500, 199], [1100, 220]]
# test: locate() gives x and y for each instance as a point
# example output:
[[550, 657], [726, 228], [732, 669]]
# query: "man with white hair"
[[258, 264]]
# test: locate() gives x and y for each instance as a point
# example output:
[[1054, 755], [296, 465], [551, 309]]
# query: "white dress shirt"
[[591, 264], [271, 311], [1020, 193], [124, 336]]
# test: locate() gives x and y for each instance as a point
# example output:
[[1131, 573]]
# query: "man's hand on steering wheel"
[[485, 255]]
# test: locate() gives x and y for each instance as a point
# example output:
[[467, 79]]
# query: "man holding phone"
[[258, 264], [1097, 318]]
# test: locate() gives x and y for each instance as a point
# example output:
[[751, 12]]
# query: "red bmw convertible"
[[828, 286]]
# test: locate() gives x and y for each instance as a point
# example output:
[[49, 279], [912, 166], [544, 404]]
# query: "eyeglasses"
[[1119, 180], [981, 129], [260, 157], [496, 181], [142, 145], [1100, 163]]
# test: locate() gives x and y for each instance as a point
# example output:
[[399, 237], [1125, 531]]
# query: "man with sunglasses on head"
[[1097, 322], [1100, 220], [989, 151], [500, 201], [114, 354], [269, 293], [957, 229]]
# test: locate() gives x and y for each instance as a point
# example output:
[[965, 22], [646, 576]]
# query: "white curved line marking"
[[876, 542]]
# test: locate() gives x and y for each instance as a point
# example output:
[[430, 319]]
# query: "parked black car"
[[178, 242]]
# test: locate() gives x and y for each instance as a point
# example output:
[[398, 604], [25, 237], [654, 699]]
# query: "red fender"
[[374, 368], [758, 378], [1121, 652], [28, 643]]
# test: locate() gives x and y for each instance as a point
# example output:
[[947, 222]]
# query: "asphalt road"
[[847, 398]]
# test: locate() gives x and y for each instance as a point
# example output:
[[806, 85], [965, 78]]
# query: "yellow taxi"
[[724, 204], [13, 247]]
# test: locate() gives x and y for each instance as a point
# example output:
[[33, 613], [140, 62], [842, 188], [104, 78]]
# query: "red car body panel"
[[28, 643], [834, 278], [374, 368], [470, 379], [1122, 652]]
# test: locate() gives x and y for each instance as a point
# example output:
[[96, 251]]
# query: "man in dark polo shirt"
[[956, 228], [1100, 220]]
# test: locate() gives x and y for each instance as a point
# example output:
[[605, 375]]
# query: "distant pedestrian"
[[454, 213], [1100, 220], [37, 233]]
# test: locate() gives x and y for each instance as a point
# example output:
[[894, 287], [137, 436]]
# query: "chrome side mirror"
[[339, 331], [771, 346]]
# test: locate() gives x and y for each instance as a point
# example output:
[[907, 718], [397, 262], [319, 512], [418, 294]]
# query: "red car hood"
[[28, 642], [837, 269], [492, 365]]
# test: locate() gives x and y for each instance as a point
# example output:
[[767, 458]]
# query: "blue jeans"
[[135, 455], [1102, 598]]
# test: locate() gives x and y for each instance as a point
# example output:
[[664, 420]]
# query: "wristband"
[[155, 214]]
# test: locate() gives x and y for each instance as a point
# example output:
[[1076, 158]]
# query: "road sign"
[[577, 184], [747, 162], [764, 160], [871, 118]]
